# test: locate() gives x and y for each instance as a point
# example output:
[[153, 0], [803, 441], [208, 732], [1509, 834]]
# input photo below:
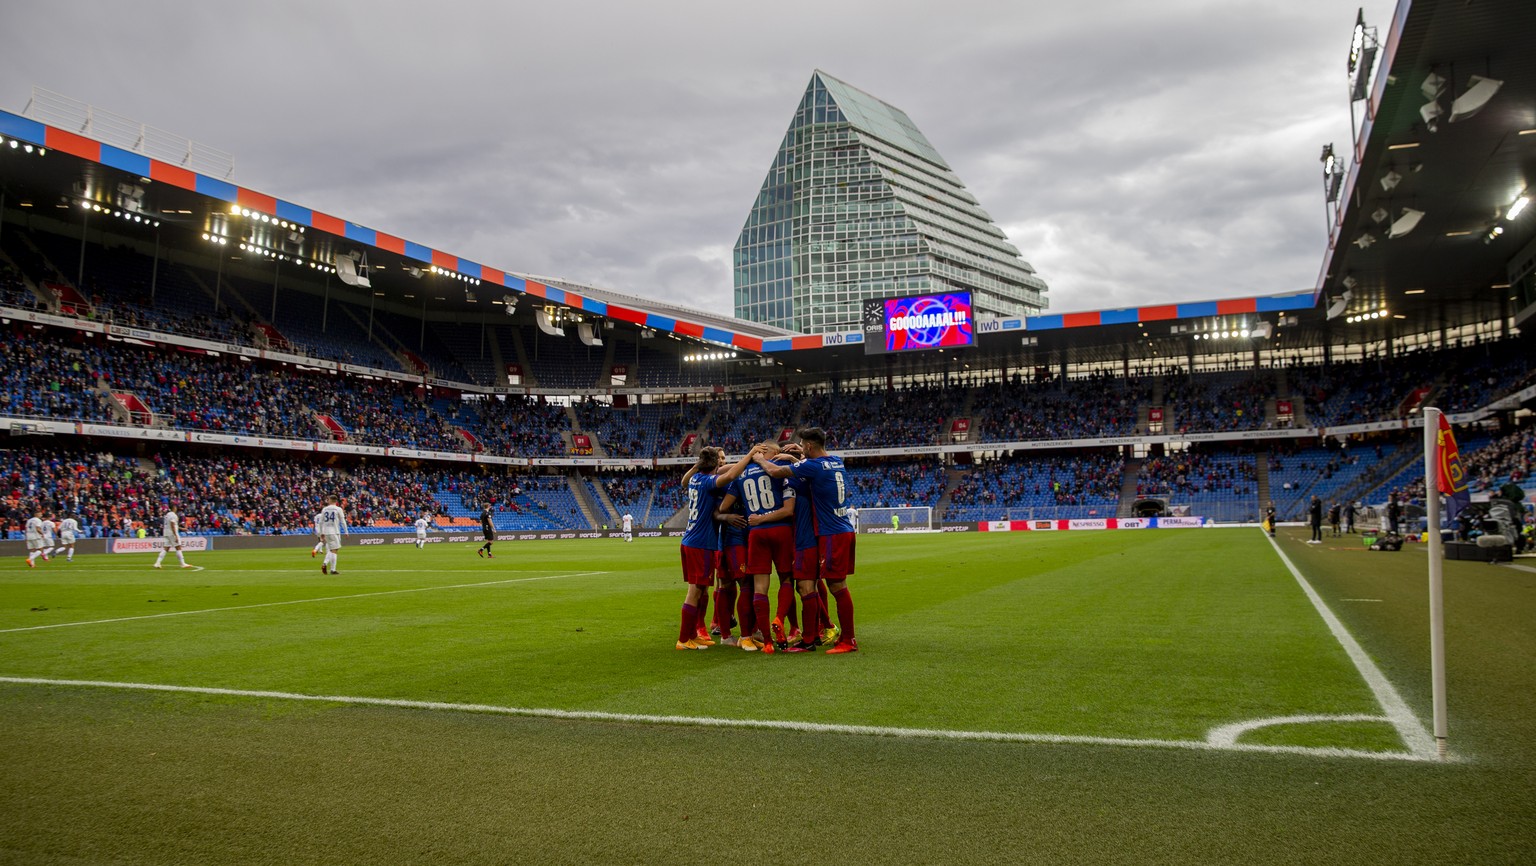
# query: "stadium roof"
[[1462, 174]]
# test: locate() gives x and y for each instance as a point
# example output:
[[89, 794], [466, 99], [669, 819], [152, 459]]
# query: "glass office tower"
[[859, 205]]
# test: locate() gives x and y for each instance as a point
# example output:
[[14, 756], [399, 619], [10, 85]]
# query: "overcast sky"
[[1135, 152]]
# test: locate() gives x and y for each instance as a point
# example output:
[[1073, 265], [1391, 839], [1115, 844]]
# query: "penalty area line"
[[297, 601], [1408, 726], [1222, 739]]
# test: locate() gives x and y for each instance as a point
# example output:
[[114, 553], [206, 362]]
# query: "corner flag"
[[1453, 478]]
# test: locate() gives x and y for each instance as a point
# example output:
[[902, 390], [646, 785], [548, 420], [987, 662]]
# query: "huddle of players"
[[774, 509]]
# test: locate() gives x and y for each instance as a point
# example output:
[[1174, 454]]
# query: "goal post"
[[912, 519]]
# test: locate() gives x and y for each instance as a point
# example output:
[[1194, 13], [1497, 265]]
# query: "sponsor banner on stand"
[[16, 314], [1178, 522], [152, 544], [162, 434], [1133, 522], [1088, 523], [348, 448], [996, 526], [40, 425]]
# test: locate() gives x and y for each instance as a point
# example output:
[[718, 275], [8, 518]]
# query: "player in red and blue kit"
[[770, 507], [734, 578], [825, 475], [808, 583], [701, 539]]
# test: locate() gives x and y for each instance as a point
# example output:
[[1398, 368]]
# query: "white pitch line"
[[760, 724], [1408, 726], [296, 601]]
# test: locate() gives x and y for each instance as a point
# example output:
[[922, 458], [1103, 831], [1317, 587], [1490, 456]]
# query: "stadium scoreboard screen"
[[918, 322]]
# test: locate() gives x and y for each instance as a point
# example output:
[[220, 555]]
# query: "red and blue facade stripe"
[[26, 129]]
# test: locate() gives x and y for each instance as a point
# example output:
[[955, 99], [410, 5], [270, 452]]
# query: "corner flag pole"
[[1436, 571]]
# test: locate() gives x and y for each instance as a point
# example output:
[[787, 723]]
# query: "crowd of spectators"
[[1196, 471], [1091, 407], [1090, 479], [234, 493], [881, 418], [1217, 402], [1509, 458], [48, 379], [896, 483]]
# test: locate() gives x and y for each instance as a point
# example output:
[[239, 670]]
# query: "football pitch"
[[1135, 696]]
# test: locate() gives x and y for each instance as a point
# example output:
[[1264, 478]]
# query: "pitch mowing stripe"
[[1414, 735], [1222, 739], [297, 601]]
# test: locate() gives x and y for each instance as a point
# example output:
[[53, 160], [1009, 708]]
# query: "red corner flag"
[[1453, 478]]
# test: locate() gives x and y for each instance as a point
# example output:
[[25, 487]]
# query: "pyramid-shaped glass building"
[[858, 204]]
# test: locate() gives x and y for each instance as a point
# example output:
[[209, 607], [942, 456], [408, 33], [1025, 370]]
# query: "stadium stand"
[[1057, 486]]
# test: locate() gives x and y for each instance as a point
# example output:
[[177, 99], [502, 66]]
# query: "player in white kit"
[[421, 531], [49, 545], [69, 530], [628, 524], [34, 535], [330, 523], [171, 533]]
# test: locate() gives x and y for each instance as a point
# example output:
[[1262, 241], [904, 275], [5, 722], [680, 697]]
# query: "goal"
[[918, 519]]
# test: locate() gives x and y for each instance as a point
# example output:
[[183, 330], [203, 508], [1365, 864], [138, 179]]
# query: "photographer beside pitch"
[[824, 474]]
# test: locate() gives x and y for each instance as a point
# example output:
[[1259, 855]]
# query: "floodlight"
[[1405, 223], [1390, 180], [1350, 282], [1430, 113], [1433, 86], [1479, 91], [1339, 304], [1364, 241], [1379, 215], [1517, 207]]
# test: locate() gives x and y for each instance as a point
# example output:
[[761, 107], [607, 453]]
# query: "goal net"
[[918, 519]]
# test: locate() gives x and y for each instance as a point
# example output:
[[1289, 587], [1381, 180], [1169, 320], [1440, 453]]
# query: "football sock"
[[703, 615], [760, 611], [690, 622], [811, 605], [725, 605], [844, 613], [786, 604], [744, 614], [161, 558]]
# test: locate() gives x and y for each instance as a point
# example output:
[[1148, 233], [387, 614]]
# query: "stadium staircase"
[[1387, 468], [69, 300], [373, 334], [952, 478], [1261, 478], [701, 434], [271, 337], [1128, 476], [26, 279], [604, 503], [583, 493], [330, 428], [414, 362], [469, 438], [499, 371], [520, 352], [127, 406]]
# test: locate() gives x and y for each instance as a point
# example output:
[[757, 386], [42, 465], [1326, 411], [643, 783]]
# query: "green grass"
[[1134, 635]]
